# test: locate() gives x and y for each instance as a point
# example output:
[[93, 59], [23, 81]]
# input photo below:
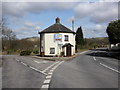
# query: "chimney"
[[72, 25], [57, 20]]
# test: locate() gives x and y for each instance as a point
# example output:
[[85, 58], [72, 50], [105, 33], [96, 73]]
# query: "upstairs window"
[[66, 38], [52, 50]]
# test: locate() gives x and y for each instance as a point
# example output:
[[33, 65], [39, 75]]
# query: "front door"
[[68, 50]]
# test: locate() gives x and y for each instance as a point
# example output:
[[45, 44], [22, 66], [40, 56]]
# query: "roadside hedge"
[[26, 52], [36, 51]]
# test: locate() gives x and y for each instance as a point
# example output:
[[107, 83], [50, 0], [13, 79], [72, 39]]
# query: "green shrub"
[[36, 51], [62, 54], [26, 52], [9, 51]]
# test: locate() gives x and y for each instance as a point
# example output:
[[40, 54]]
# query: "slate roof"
[[57, 28]]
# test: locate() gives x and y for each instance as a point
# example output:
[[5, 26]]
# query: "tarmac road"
[[92, 69], [89, 70], [16, 75]]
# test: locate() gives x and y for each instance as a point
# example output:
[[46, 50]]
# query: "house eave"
[[56, 32]]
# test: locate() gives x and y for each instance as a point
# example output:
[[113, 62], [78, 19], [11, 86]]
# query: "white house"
[[56, 40]]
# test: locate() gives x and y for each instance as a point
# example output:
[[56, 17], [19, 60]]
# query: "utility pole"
[[72, 25]]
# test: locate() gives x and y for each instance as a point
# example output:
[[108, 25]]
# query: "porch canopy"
[[67, 44], [68, 50]]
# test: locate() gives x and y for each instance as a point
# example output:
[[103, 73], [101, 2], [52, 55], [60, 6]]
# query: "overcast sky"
[[27, 18]]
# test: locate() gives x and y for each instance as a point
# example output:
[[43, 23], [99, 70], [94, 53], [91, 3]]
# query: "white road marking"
[[110, 68], [50, 73], [50, 66], [54, 67], [45, 61], [107, 66], [48, 77], [51, 70], [45, 86], [17, 60], [36, 61], [94, 58], [47, 81], [40, 62], [57, 65], [31, 67], [24, 63], [38, 70]]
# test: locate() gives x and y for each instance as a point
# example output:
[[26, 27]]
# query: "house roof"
[[57, 28]]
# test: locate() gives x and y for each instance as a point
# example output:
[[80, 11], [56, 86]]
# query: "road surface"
[[91, 69]]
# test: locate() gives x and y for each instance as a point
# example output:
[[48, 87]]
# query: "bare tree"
[[8, 36]]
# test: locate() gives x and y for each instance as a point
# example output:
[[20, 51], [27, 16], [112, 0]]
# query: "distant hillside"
[[98, 40], [34, 39]]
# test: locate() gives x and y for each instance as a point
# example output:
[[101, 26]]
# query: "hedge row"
[[26, 52]]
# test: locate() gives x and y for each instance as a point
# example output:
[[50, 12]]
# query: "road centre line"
[[17, 60], [110, 68], [47, 81], [94, 58], [51, 70], [48, 78], [50, 66], [24, 63], [57, 65], [50, 73], [45, 87]]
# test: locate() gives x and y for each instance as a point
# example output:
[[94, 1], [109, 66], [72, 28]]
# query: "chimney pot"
[[57, 20]]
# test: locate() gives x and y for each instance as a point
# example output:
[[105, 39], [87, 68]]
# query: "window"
[[52, 50], [66, 37]]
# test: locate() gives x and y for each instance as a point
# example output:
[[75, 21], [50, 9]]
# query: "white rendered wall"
[[50, 43], [71, 40], [43, 42]]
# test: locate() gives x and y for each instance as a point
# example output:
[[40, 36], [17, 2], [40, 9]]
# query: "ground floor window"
[[52, 50]]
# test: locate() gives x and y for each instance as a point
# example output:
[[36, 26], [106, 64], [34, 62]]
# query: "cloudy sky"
[[27, 18]]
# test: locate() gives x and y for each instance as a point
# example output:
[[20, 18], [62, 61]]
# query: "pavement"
[[55, 58], [91, 69]]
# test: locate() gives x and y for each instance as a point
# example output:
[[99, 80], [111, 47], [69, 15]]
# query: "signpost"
[[58, 40], [57, 37]]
